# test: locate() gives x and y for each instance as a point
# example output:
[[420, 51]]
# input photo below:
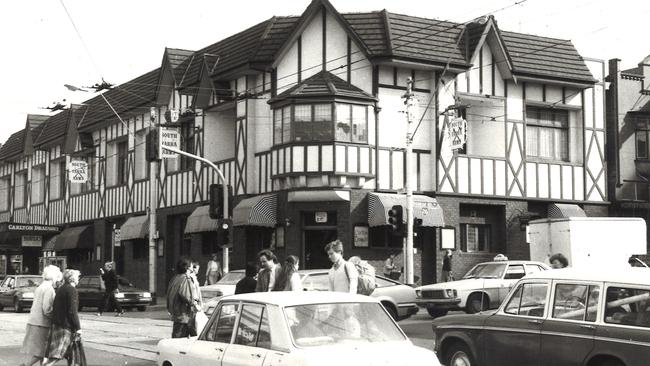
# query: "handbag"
[[76, 354], [200, 320]]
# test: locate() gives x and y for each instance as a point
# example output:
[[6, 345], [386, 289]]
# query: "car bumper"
[[25, 303], [134, 302], [439, 303], [406, 310]]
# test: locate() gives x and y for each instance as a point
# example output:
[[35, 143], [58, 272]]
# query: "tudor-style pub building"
[[304, 116]]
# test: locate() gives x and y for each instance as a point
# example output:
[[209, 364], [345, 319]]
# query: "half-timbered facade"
[[305, 117]]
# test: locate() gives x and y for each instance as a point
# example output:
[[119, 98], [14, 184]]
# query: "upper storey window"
[[547, 133]]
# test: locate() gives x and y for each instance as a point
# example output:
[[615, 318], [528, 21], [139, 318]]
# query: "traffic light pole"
[[226, 256], [408, 255]]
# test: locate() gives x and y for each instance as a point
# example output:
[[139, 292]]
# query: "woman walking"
[[288, 278], [213, 273], [65, 319], [39, 322]]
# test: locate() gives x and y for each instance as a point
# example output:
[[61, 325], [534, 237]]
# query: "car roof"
[[291, 298], [631, 275], [517, 262]]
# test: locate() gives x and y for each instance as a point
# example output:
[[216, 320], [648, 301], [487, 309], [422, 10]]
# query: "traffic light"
[[396, 219], [216, 201], [153, 149], [417, 223], [226, 229]]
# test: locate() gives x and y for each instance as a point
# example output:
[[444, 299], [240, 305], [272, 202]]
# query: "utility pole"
[[410, 101], [153, 206]]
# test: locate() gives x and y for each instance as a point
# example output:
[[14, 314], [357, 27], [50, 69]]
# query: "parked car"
[[224, 287], [483, 287], [559, 317], [18, 291], [289, 328], [91, 293]]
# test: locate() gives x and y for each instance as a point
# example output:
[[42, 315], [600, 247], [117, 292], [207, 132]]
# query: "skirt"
[[36, 339], [59, 342]]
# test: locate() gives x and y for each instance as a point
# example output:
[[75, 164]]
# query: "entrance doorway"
[[314, 241]]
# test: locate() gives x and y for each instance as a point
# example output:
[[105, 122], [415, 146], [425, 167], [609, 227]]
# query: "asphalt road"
[[12, 356]]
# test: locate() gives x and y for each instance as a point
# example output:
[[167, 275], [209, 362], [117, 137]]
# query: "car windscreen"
[[486, 270], [231, 278], [123, 283], [320, 324], [28, 281]]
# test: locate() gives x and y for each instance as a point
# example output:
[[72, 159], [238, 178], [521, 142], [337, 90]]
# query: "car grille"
[[131, 296], [433, 294]]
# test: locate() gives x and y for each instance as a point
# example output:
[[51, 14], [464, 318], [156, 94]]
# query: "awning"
[[318, 196], [256, 211], [79, 237], [136, 227], [563, 210], [50, 244], [425, 208], [199, 221]]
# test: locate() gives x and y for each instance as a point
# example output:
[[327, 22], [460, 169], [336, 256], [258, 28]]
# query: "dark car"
[[17, 291], [557, 317], [91, 293]]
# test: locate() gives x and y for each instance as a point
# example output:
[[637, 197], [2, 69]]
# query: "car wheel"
[[477, 303], [17, 307], [435, 313], [459, 355], [142, 308], [391, 310]]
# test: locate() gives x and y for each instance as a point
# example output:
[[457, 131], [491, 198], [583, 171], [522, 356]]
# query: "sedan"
[[288, 328], [224, 287], [91, 293], [18, 291]]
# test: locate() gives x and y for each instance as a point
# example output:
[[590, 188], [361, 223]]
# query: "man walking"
[[111, 288], [343, 275], [267, 275], [182, 302], [447, 274]]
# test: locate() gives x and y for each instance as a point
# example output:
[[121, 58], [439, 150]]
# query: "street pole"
[[409, 101], [226, 251], [153, 207]]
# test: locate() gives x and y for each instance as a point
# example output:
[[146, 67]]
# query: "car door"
[[6, 291], [572, 316], [513, 273], [512, 335], [252, 338], [210, 347]]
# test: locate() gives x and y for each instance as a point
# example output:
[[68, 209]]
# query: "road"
[[132, 339]]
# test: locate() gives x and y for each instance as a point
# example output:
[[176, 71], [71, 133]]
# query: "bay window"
[[642, 144], [547, 133]]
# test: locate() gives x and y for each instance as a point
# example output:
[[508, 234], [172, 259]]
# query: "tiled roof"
[[36, 123], [321, 84], [634, 71], [135, 95], [54, 128], [371, 28], [14, 146], [176, 56]]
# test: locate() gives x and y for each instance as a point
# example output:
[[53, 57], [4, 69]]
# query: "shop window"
[[4, 193], [475, 238], [547, 133], [20, 190], [140, 249]]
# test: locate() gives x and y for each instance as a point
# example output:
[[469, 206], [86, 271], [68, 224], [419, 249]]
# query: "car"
[[483, 287], [224, 287], [397, 298], [17, 291], [91, 293], [560, 317], [310, 328]]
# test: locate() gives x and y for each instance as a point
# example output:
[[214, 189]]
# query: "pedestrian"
[[181, 300], [447, 274], [213, 272], [558, 261], [343, 275], [248, 283], [111, 288], [390, 269], [269, 272], [288, 278], [40, 317], [196, 287], [65, 319]]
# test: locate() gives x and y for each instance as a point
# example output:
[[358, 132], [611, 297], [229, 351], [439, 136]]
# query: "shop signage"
[[78, 171], [320, 217], [169, 137], [27, 227], [361, 236], [456, 133], [118, 240], [32, 241]]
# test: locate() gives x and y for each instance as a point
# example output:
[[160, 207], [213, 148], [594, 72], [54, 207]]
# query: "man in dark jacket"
[[65, 319], [111, 288], [247, 284], [182, 301]]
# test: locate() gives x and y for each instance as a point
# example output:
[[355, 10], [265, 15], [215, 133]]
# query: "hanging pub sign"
[[456, 132], [78, 171], [169, 137]]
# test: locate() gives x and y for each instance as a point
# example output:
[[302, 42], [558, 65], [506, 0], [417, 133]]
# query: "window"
[[122, 166], [220, 330], [38, 184], [576, 302], [628, 306], [515, 272], [57, 179], [141, 166], [4, 193], [20, 190], [382, 237], [351, 123], [316, 282], [475, 238], [249, 325], [529, 299], [187, 144], [547, 133], [642, 144]]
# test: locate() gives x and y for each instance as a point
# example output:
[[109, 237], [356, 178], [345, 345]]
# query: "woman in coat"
[[65, 319], [39, 322]]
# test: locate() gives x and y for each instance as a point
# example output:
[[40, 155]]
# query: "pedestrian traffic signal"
[[396, 219], [216, 202]]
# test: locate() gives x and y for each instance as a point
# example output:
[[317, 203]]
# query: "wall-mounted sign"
[[448, 238], [320, 217], [28, 227], [32, 241], [78, 171], [169, 137], [456, 132], [117, 238], [361, 236]]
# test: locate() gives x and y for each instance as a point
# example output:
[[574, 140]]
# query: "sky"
[[119, 40]]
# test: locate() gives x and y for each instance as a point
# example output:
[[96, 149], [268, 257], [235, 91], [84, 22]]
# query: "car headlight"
[[451, 293], [119, 295], [146, 294], [418, 293], [27, 295]]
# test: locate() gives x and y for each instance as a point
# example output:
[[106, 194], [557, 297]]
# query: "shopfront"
[[21, 246]]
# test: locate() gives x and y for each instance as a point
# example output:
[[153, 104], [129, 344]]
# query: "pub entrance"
[[319, 228]]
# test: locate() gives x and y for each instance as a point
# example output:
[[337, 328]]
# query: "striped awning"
[[424, 207], [136, 227], [564, 210], [78, 237], [50, 243], [256, 211], [199, 221]]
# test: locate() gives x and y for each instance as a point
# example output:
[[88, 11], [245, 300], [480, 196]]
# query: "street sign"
[[169, 137], [457, 133], [78, 171]]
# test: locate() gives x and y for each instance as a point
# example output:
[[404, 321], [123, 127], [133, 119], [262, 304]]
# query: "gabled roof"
[[21, 143], [36, 122], [323, 84], [54, 128], [14, 147], [175, 57]]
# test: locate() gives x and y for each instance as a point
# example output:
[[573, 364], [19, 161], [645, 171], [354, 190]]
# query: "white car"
[[484, 287], [308, 328], [224, 287]]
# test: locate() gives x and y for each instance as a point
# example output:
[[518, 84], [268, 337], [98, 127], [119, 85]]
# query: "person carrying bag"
[[77, 355]]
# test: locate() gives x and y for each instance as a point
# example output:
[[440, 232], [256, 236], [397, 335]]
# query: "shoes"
[[99, 314], [119, 314]]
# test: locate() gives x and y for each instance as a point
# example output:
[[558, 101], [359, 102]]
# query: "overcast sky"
[[123, 39]]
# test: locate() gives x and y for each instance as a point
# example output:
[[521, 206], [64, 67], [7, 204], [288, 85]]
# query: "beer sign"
[[78, 171]]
